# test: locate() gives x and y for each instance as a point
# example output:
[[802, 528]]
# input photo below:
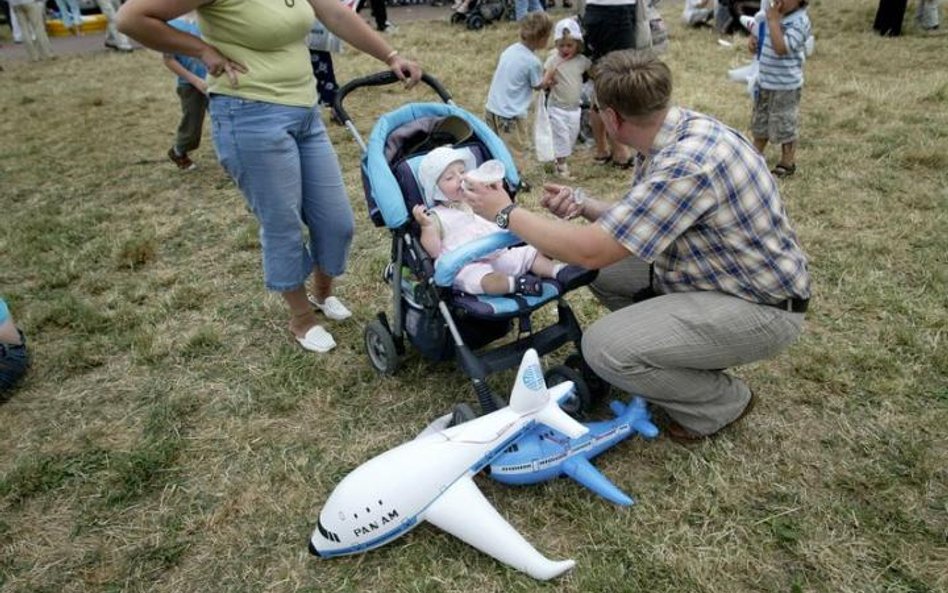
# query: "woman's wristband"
[[391, 56]]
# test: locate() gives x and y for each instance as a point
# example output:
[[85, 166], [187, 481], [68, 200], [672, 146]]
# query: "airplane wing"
[[463, 512], [579, 468]]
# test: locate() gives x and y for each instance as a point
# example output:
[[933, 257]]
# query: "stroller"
[[483, 12], [440, 322]]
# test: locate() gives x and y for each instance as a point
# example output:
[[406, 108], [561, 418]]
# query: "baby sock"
[[511, 284]]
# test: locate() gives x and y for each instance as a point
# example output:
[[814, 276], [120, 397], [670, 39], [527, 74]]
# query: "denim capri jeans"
[[282, 161]]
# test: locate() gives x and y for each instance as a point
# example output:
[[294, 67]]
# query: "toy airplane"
[[429, 479], [543, 454]]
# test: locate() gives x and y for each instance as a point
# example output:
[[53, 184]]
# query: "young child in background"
[[192, 91], [14, 357], [518, 73], [780, 81], [452, 223], [565, 69]]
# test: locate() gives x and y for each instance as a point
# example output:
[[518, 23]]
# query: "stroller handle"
[[380, 79]]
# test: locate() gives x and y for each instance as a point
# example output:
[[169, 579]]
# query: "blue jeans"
[[69, 12], [522, 7], [14, 360], [282, 160]]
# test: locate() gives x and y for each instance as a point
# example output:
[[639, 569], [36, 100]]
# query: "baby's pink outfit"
[[459, 227]]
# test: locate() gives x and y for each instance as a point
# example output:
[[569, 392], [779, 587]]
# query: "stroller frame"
[[385, 343]]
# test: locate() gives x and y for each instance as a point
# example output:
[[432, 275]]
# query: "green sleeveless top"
[[268, 37]]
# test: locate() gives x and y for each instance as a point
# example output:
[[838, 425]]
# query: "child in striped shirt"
[[781, 55]]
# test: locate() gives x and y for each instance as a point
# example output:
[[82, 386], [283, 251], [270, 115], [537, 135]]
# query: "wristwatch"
[[503, 217]]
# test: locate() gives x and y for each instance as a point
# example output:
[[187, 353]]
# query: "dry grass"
[[171, 437]]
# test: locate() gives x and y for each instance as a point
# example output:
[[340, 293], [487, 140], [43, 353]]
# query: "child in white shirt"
[[565, 69]]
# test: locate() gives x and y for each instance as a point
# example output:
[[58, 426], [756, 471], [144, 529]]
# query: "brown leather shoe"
[[680, 434]]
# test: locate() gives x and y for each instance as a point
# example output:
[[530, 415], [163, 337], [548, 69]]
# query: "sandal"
[[605, 159], [626, 165], [782, 170], [529, 285]]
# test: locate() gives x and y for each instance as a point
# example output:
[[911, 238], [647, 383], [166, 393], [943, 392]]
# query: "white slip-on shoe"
[[331, 308], [317, 340]]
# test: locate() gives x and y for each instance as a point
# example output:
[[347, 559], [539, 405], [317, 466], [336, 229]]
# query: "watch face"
[[501, 219]]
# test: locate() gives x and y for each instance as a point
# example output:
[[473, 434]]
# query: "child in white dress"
[[452, 223]]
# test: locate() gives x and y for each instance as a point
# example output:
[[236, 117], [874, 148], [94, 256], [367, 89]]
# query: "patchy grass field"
[[171, 437]]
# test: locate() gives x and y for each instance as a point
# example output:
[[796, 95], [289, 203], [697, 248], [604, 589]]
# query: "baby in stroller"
[[451, 223]]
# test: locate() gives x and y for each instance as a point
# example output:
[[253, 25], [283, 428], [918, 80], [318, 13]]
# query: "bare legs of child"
[[608, 150], [543, 267], [787, 165]]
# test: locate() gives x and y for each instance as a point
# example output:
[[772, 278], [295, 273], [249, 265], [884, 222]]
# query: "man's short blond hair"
[[633, 83], [535, 27]]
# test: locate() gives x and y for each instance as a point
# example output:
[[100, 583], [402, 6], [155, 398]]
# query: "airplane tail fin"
[[530, 394], [637, 415]]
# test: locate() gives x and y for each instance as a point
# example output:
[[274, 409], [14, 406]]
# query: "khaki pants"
[[672, 349], [33, 24], [513, 132]]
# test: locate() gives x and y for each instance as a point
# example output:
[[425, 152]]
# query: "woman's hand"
[[486, 199], [219, 64], [406, 70]]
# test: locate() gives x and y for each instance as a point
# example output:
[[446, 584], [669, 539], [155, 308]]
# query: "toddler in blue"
[[780, 80], [14, 357], [192, 91], [519, 72]]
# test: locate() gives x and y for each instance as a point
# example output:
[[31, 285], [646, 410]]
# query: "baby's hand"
[[421, 215]]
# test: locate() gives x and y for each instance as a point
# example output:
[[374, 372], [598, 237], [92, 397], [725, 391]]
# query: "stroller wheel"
[[457, 17], [380, 347], [577, 404], [475, 22], [598, 388]]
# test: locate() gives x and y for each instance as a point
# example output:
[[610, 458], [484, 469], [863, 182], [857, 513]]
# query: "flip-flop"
[[317, 340], [782, 170]]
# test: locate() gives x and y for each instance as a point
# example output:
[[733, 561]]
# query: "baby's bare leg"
[[543, 267], [495, 283]]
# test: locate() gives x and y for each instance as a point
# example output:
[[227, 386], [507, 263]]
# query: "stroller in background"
[[440, 322], [483, 12]]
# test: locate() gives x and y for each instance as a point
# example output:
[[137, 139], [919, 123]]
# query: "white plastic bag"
[[542, 131]]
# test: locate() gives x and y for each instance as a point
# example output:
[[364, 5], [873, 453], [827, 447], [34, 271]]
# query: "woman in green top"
[[268, 134]]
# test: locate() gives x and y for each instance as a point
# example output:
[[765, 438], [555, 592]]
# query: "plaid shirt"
[[706, 211]]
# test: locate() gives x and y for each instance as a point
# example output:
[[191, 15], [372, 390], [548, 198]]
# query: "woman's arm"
[[146, 21], [346, 24]]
